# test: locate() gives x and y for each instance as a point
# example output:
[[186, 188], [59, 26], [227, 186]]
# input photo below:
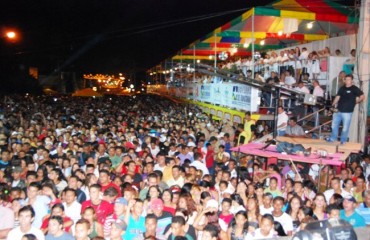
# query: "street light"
[[11, 35]]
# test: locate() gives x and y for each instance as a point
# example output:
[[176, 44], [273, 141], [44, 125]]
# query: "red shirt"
[[45, 223], [103, 188], [124, 169], [170, 210], [226, 218], [209, 158], [103, 210]]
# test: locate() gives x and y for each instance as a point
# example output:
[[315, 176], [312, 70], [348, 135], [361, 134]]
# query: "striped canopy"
[[278, 25]]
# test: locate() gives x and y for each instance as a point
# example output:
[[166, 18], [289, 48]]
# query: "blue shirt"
[[135, 228], [364, 211], [356, 220], [3, 164]]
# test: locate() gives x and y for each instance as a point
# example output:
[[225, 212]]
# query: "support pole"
[[253, 46], [215, 60]]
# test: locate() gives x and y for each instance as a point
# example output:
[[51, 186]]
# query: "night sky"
[[108, 36]]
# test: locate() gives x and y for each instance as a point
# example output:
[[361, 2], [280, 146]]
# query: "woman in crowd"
[[295, 204], [347, 186], [238, 228], [169, 206], [319, 207], [241, 190], [337, 199], [188, 228], [58, 179], [359, 189], [186, 202], [254, 216], [89, 180], [57, 210], [96, 228]]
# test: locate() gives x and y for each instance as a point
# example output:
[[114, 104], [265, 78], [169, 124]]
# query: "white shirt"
[[180, 182], [17, 234], [264, 210], [318, 91], [304, 89], [329, 193], [41, 207], [314, 171], [73, 211], [282, 118], [6, 218], [200, 166], [304, 55], [258, 235], [157, 167], [286, 221], [289, 80]]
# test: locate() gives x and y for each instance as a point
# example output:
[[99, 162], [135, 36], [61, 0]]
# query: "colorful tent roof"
[[280, 24]]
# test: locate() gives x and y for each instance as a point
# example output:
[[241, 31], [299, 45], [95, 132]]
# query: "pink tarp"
[[255, 149]]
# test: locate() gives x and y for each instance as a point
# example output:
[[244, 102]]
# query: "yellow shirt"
[[247, 131], [167, 173]]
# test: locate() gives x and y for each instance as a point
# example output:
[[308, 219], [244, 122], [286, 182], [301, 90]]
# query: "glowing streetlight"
[[11, 35]]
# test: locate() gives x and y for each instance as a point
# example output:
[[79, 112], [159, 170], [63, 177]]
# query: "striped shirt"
[[364, 211]]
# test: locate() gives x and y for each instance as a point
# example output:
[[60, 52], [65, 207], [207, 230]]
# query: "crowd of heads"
[[142, 167]]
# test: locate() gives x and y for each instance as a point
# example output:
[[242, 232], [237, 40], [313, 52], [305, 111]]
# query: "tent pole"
[[252, 45], [215, 60], [194, 63]]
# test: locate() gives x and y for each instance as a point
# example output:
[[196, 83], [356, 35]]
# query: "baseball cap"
[[350, 198], [121, 200], [156, 204]]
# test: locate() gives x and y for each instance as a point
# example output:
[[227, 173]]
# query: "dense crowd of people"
[[145, 167]]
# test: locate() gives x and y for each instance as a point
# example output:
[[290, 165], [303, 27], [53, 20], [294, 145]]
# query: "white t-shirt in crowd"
[[282, 118], [264, 210], [286, 221], [17, 234], [258, 235]]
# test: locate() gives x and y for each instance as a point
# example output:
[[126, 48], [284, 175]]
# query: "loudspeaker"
[[333, 229]]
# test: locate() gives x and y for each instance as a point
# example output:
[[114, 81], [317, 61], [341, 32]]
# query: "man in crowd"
[[102, 208], [364, 208], [6, 217], [40, 203], [26, 216], [55, 230], [349, 214], [176, 179], [282, 121], [345, 101], [163, 217], [294, 130], [283, 218], [134, 219], [72, 208], [120, 208], [83, 229]]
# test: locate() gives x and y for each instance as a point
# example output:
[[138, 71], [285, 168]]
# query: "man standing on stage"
[[347, 97]]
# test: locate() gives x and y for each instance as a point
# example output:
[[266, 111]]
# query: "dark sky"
[[108, 36]]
